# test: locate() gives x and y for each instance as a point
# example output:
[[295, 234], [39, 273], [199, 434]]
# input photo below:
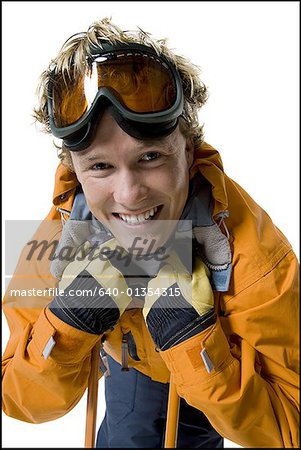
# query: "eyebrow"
[[145, 144], [93, 157]]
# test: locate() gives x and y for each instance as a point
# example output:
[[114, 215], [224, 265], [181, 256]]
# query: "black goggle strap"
[[79, 140], [83, 138], [141, 130]]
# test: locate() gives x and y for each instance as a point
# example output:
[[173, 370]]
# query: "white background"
[[248, 52]]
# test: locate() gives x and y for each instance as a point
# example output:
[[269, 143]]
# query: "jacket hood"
[[208, 161], [65, 182]]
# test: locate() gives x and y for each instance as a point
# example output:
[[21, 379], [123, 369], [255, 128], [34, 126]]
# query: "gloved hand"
[[178, 305], [92, 292]]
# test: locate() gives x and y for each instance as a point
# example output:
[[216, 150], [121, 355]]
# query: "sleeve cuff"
[[70, 346], [200, 357]]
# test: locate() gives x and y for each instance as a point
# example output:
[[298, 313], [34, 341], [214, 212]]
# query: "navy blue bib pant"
[[135, 417]]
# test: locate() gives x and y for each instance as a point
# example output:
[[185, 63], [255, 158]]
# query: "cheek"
[[95, 195], [180, 175], [171, 180], [180, 187], [168, 181]]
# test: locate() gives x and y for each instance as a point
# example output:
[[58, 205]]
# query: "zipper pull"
[[104, 364], [124, 353], [222, 216]]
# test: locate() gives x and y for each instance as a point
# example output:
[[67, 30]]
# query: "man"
[[136, 177]]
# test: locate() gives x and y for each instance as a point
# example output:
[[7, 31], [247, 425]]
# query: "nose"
[[129, 189]]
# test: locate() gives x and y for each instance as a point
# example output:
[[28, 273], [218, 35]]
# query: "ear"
[[189, 152]]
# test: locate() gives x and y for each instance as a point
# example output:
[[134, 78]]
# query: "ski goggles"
[[143, 90]]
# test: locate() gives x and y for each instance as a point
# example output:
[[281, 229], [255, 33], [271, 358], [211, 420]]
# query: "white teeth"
[[131, 219]]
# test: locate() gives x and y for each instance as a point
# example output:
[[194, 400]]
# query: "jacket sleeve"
[[251, 395], [35, 387]]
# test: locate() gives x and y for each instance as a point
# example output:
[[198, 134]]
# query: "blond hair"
[[72, 60]]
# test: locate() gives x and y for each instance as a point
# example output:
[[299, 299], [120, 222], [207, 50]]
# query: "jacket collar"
[[207, 162]]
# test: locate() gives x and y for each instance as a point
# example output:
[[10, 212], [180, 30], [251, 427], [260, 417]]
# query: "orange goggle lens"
[[140, 83]]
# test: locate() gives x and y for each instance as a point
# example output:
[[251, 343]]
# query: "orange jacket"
[[252, 395]]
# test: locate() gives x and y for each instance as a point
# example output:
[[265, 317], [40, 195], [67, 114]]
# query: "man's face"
[[132, 186]]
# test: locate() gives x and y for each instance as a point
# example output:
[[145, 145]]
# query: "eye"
[[101, 166], [151, 156]]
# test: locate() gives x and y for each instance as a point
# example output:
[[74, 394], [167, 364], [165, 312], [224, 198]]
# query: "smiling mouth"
[[139, 219]]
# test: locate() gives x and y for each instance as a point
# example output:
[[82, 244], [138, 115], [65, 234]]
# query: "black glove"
[[93, 294]]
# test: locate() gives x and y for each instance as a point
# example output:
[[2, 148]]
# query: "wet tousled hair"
[[72, 58]]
